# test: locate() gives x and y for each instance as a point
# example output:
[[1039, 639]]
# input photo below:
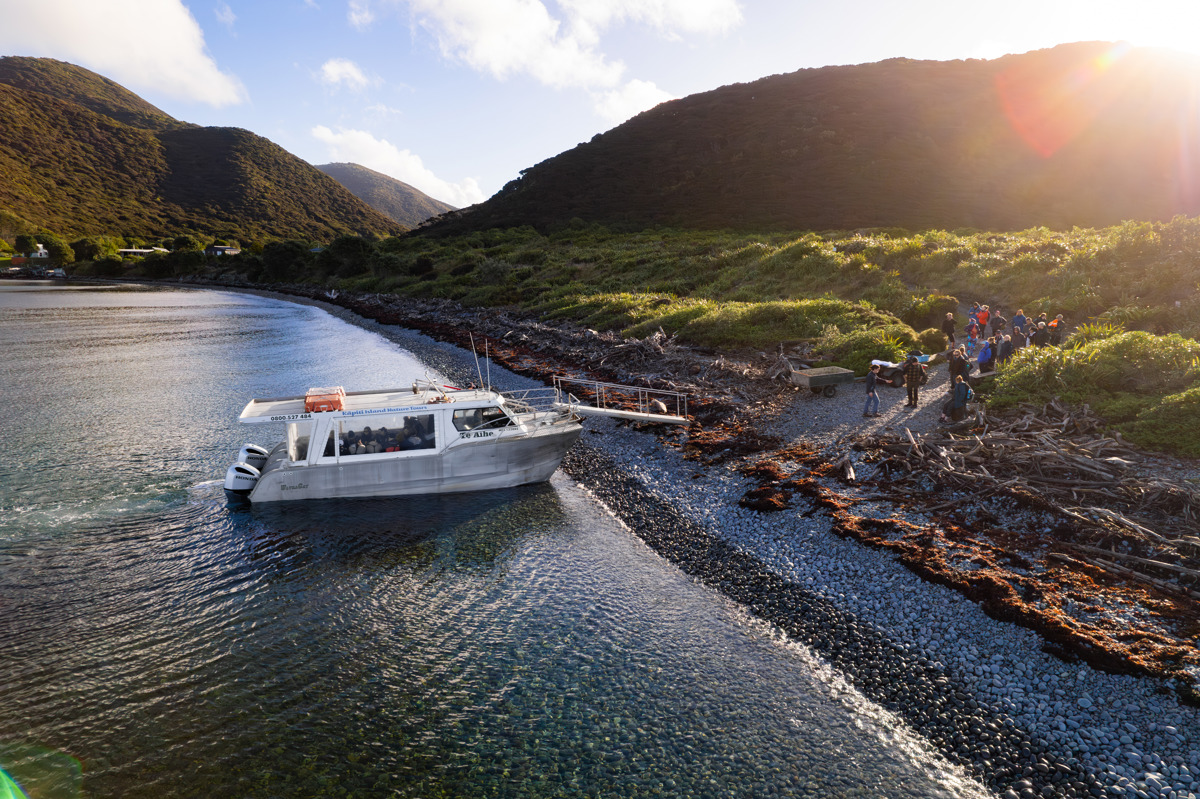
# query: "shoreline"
[[985, 693]]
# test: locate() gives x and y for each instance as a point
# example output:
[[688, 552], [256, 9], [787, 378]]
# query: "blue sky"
[[456, 97]]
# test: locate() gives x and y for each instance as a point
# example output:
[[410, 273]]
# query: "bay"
[[158, 641]]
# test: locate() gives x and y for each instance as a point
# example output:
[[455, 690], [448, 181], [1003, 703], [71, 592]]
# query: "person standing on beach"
[[872, 406], [913, 372], [985, 313], [948, 328]]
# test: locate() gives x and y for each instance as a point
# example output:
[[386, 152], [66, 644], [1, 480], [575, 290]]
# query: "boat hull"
[[501, 462]]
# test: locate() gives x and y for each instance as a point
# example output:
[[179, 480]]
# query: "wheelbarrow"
[[822, 380]]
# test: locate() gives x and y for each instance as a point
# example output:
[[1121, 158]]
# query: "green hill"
[[393, 198], [1084, 134], [80, 155]]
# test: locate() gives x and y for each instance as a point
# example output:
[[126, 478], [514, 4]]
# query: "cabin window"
[[297, 441], [387, 433], [490, 417]]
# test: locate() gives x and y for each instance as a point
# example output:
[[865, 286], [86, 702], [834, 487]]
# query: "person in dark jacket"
[[1004, 349], [1018, 339], [999, 325], [872, 406], [913, 372], [948, 327], [1057, 326]]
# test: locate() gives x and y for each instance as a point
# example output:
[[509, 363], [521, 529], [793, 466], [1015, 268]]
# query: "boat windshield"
[[490, 417], [387, 433]]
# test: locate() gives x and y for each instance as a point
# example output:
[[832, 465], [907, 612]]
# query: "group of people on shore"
[[988, 340]]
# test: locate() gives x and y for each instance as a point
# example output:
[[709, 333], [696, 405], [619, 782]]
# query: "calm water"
[[156, 642]]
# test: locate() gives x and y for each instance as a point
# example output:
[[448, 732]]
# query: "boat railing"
[[614, 396], [532, 400]]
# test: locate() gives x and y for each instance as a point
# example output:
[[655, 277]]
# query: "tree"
[[284, 259], [61, 253], [25, 243], [186, 242], [90, 248]]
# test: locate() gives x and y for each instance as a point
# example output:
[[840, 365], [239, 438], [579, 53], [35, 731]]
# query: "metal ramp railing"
[[627, 402]]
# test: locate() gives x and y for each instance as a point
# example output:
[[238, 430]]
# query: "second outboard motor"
[[254, 455], [241, 478]]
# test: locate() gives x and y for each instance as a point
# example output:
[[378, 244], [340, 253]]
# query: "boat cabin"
[[390, 423]]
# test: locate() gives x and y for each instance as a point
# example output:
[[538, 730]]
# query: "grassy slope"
[[861, 294]]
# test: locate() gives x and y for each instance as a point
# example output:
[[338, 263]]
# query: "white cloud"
[[522, 37], [225, 15], [514, 37], [360, 147], [667, 16], [628, 101], [142, 44], [342, 72], [360, 14]]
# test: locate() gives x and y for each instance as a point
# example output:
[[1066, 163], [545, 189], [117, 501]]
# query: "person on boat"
[[410, 436]]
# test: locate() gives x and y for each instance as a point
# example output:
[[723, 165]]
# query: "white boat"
[[425, 439]]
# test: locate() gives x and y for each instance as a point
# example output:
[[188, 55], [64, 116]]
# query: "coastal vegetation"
[[1130, 292]]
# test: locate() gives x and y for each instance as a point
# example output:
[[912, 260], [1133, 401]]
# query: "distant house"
[[136, 253], [217, 250], [40, 252]]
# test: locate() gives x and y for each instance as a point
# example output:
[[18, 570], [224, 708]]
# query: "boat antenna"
[[487, 358], [476, 354]]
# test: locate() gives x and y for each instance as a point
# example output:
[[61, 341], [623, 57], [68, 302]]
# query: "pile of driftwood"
[[1126, 516], [656, 361]]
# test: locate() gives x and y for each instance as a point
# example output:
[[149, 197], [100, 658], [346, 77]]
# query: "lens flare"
[[1048, 105]]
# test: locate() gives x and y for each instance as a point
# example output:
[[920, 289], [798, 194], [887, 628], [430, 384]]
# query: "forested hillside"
[[1083, 134], [81, 155]]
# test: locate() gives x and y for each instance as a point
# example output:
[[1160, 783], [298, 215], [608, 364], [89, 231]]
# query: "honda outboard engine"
[[240, 478], [254, 455]]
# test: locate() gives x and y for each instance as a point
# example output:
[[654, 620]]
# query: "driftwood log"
[[1060, 461]]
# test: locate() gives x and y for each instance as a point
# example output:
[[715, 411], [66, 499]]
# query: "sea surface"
[[156, 641]]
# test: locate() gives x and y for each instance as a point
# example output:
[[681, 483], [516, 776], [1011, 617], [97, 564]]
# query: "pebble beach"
[[985, 692]]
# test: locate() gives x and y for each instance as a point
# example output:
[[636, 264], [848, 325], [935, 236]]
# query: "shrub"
[[855, 350], [932, 340], [1170, 425], [109, 266], [929, 310], [1130, 362], [1092, 331]]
